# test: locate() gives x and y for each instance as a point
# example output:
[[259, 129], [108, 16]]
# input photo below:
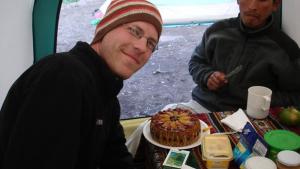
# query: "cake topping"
[[175, 127]]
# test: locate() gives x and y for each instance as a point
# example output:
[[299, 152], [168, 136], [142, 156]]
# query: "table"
[[154, 156]]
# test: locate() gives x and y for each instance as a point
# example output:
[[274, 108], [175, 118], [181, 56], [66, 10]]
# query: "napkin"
[[133, 140], [236, 121], [187, 167], [192, 105]]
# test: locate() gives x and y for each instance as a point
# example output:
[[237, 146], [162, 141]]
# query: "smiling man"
[[63, 112], [130, 50], [251, 41]]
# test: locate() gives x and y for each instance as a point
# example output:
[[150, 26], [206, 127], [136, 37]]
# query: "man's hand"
[[216, 80]]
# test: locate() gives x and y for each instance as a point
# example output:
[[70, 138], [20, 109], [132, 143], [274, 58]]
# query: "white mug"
[[258, 102]]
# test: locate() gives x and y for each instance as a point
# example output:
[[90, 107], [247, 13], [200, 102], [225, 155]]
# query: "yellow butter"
[[216, 151]]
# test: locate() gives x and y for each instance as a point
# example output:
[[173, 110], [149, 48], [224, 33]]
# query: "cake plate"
[[147, 134]]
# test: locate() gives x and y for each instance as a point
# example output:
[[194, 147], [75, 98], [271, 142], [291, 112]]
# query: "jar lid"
[[289, 158], [259, 162], [282, 139]]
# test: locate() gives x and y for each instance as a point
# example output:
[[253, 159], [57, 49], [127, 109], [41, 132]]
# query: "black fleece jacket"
[[63, 113], [268, 56]]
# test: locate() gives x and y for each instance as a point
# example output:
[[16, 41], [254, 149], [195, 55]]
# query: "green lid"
[[282, 140]]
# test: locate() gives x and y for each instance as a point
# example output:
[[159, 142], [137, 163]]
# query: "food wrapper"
[[250, 144]]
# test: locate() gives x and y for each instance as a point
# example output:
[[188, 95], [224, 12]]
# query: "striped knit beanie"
[[124, 11]]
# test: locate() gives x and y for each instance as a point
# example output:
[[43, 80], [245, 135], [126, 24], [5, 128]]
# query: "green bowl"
[[279, 140]]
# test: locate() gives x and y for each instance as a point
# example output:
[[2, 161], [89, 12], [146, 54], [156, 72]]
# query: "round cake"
[[175, 127]]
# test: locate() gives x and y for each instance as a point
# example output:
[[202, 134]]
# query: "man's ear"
[[276, 5]]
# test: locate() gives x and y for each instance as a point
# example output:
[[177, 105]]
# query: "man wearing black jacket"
[[63, 112]]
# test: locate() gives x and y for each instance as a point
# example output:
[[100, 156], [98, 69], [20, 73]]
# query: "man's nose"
[[253, 4], [141, 44]]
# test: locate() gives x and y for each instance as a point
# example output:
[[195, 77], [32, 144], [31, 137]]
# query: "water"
[[188, 2], [188, 24]]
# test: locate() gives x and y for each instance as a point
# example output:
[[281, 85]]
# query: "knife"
[[234, 71]]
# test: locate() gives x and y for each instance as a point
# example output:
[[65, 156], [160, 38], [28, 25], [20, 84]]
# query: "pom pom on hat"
[[124, 11]]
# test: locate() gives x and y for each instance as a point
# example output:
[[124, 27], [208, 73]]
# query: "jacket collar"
[[100, 70], [255, 31]]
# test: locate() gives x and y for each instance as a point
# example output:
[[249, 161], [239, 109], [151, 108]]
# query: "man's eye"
[[151, 44], [137, 33], [134, 32]]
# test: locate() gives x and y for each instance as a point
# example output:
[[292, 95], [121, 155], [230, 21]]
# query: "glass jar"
[[288, 160]]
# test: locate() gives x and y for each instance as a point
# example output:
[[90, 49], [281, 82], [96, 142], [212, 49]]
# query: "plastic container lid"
[[259, 162], [289, 158], [216, 148], [282, 140]]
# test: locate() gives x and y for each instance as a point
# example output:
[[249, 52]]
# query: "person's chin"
[[128, 68], [126, 74], [251, 24]]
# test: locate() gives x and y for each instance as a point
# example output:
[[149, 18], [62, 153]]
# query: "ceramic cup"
[[258, 102]]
